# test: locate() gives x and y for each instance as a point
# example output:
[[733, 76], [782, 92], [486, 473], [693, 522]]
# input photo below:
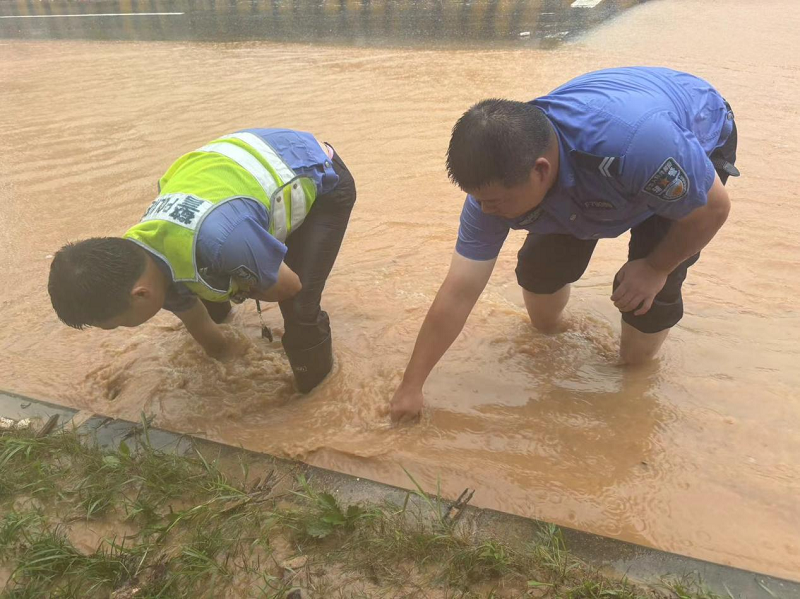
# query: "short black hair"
[[497, 141], [91, 281]]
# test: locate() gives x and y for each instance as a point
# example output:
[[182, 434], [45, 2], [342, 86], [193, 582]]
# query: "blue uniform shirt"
[[236, 234], [633, 142]]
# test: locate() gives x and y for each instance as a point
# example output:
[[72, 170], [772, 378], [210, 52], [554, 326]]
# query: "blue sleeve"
[[234, 241], [480, 236], [667, 168], [251, 254]]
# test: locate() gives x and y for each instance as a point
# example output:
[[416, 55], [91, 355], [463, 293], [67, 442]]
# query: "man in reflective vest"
[[258, 214]]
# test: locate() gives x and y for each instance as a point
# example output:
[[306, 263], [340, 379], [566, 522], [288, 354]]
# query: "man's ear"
[[141, 292], [541, 170]]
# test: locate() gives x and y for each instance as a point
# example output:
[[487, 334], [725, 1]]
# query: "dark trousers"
[[312, 251]]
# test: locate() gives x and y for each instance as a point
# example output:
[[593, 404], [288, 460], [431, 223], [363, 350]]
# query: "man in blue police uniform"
[[259, 213], [640, 149]]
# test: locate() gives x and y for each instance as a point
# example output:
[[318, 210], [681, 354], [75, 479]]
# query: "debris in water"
[[524, 33]]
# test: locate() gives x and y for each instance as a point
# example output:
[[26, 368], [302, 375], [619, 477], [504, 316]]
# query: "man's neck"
[[154, 274]]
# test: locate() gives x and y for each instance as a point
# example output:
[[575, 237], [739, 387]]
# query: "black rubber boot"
[[311, 365]]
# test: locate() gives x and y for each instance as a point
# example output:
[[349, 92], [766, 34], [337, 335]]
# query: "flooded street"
[[699, 455]]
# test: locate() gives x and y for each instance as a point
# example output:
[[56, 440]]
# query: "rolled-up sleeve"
[[666, 167], [234, 241], [250, 254]]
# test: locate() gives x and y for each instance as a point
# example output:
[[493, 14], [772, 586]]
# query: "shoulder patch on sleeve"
[[245, 274], [669, 183]]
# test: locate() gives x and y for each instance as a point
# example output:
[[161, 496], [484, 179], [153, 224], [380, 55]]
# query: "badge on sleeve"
[[245, 274], [669, 183]]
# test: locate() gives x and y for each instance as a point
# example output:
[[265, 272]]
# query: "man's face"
[[145, 303], [511, 202]]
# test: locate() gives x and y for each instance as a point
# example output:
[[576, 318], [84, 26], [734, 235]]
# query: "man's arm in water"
[[208, 333], [641, 280], [204, 330], [287, 286], [461, 289]]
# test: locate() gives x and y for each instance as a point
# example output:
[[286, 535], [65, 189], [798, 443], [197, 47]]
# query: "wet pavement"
[[356, 22]]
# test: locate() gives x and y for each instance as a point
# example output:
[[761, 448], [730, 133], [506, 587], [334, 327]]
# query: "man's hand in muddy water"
[[638, 283], [229, 347], [406, 405]]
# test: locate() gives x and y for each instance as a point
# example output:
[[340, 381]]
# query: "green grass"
[[201, 527], [47, 559], [688, 586]]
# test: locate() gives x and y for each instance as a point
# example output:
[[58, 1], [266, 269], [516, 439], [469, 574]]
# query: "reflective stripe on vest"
[[297, 196], [285, 174], [277, 221], [299, 208]]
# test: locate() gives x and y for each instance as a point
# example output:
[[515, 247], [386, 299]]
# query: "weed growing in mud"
[[326, 516], [688, 586], [550, 551], [190, 526], [49, 558]]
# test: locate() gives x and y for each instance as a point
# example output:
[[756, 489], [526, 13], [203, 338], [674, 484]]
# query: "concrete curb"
[[614, 557]]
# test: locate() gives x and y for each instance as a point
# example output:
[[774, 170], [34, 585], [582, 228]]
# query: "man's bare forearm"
[[689, 235], [286, 287], [457, 296], [270, 295], [442, 325], [204, 330]]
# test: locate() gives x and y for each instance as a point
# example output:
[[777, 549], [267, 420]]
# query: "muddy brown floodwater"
[[697, 456]]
